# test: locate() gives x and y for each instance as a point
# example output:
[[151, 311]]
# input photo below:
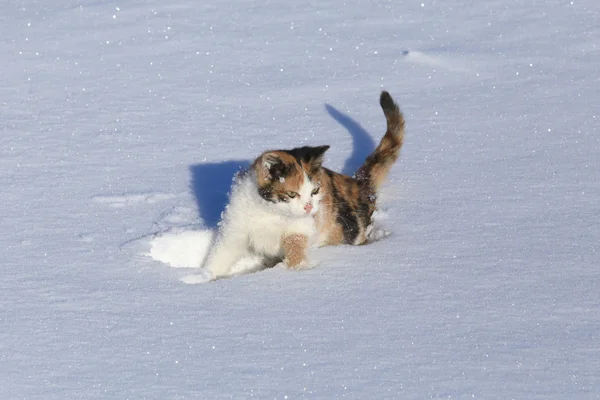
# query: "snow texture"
[[123, 123], [181, 249]]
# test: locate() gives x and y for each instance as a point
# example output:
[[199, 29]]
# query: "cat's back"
[[346, 209]]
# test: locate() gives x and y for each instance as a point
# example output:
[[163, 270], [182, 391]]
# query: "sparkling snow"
[[123, 124]]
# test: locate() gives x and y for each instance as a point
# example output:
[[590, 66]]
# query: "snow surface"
[[124, 121]]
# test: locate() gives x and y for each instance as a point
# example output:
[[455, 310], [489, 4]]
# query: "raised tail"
[[377, 165]]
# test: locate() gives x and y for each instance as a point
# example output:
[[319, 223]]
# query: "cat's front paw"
[[375, 234], [298, 266], [202, 277]]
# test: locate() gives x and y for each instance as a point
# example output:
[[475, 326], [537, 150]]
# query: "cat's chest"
[[267, 231], [266, 236]]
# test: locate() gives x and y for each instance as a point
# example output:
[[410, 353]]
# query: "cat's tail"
[[377, 165]]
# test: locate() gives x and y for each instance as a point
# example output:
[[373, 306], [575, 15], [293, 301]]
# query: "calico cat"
[[287, 201]]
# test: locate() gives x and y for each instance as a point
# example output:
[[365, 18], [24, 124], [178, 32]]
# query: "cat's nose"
[[308, 207]]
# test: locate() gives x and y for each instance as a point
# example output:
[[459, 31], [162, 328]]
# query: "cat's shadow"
[[211, 182], [362, 143]]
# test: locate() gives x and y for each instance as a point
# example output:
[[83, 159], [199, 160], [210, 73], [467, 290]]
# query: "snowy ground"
[[123, 121]]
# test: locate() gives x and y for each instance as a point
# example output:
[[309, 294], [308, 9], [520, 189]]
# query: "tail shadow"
[[211, 183], [362, 143]]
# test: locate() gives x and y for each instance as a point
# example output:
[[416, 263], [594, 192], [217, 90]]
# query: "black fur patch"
[[387, 103], [312, 156], [280, 170], [266, 192], [347, 218], [307, 153], [364, 212]]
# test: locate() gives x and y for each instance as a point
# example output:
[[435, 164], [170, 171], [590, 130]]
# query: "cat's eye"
[[315, 191], [292, 194]]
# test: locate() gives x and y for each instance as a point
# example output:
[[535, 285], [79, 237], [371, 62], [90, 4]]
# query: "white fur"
[[252, 225]]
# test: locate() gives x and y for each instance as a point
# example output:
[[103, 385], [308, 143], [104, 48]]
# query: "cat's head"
[[290, 179]]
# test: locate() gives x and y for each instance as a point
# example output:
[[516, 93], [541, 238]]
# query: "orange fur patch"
[[278, 187]]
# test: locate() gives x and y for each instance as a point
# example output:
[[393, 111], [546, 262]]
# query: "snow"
[[123, 124], [181, 248]]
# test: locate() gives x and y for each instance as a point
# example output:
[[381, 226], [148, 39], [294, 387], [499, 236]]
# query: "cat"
[[287, 202]]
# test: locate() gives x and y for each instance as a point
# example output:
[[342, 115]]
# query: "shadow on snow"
[[211, 183], [362, 142]]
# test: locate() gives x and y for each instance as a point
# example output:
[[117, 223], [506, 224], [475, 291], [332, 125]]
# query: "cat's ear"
[[268, 164], [270, 159], [316, 156]]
